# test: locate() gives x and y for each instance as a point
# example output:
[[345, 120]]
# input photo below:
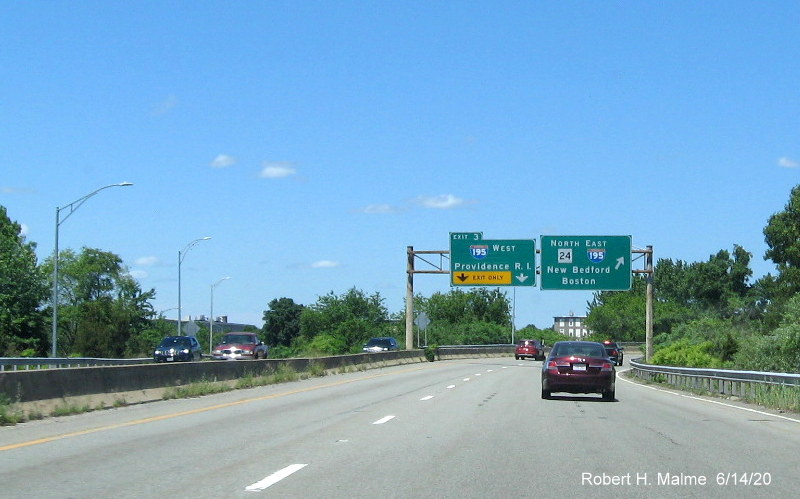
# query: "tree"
[[474, 317], [459, 307], [282, 322], [100, 305], [144, 341], [341, 324], [621, 314], [782, 235], [548, 336], [23, 288]]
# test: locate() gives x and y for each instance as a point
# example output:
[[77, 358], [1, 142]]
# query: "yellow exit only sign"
[[481, 278]]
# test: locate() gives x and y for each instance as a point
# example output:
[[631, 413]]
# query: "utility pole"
[[648, 305]]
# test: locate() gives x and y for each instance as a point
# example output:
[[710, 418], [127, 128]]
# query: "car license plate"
[[170, 359], [578, 367]]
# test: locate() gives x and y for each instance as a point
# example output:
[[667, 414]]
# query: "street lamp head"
[[125, 184], [206, 238]]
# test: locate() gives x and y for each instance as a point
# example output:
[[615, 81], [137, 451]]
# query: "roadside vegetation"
[[707, 314], [712, 313]]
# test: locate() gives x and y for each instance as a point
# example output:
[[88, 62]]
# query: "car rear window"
[[580, 349], [379, 343], [175, 341]]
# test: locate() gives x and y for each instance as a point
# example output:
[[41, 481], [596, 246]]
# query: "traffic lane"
[[452, 448], [421, 443], [205, 434], [459, 427], [680, 445]]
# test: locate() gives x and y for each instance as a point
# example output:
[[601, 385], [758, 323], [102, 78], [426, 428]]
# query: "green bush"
[[683, 353], [432, 352]]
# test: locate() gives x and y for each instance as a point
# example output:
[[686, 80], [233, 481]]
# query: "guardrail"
[[722, 381], [35, 363]]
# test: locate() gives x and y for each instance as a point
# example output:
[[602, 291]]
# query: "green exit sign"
[[475, 261], [599, 263]]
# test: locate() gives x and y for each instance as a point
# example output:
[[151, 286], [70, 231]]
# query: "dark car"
[[614, 351], [238, 345], [533, 349], [578, 367], [380, 345], [178, 348]]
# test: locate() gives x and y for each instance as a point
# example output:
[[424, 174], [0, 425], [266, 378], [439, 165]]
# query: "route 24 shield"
[[596, 255]]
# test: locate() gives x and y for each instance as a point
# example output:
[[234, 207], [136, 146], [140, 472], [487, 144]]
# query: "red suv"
[[529, 348]]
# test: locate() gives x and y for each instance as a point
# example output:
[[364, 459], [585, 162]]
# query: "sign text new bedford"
[[600, 263]]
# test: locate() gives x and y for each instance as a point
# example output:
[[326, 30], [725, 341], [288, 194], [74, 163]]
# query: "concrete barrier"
[[45, 384], [43, 392]]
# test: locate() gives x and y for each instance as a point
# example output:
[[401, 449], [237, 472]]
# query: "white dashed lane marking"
[[275, 477]]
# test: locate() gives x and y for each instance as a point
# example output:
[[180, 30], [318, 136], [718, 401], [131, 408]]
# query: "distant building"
[[571, 325], [191, 326]]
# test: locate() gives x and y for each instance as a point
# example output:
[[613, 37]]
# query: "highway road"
[[452, 429]]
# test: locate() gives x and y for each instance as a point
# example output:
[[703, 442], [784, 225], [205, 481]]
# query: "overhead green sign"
[[475, 261], [599, 263]]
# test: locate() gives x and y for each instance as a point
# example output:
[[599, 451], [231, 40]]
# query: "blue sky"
[[314, 141]]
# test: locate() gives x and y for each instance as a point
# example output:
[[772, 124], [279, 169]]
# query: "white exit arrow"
[[620, 262], [522, 277]]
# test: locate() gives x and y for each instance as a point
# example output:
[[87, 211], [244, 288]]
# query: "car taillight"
[[555, 364], [606, 366]]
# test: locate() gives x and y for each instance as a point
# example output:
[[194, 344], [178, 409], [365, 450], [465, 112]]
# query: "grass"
[[9, 413], [70, 409], [282, 374], [777, 397], [780, 397]]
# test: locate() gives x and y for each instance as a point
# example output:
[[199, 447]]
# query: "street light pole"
[[211, 316], [181, 256], [72, 207]]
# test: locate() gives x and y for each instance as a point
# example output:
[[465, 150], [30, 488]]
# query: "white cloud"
[[138, 274], [378, 208], [277, 169], [147, 261], [166, 105], [441, 202], [325, 264], [223, 161], [788, 162], [15, 190]]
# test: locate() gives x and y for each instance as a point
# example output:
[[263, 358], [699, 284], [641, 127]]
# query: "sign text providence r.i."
[[475, 261]]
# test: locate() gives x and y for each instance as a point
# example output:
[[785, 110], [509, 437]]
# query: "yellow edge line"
[[195, 411]]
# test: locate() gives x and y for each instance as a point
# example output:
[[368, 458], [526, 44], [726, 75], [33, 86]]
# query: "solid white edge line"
[[707, 400], [383, 420], [275, 477]]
